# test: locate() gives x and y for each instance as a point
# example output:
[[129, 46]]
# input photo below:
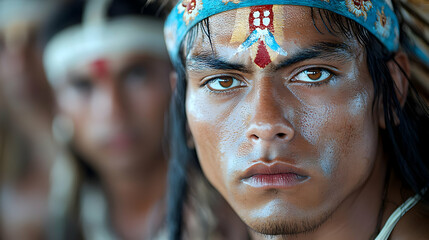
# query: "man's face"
[[285, 133], [117, 105]]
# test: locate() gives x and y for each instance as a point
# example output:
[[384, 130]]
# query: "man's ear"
[[173, 81], [399, 69], [400, 75]]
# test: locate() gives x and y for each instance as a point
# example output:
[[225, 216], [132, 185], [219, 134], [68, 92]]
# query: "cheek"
[[346, 137], [314, 119], [145, 109], [207, 122], [360, 134], [149, 105], [78, 110], [73, 108]]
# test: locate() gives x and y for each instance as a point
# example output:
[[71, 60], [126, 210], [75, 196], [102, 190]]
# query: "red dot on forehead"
[[100, 68]]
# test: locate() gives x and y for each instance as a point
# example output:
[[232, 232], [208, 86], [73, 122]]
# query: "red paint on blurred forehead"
[[100, 68]]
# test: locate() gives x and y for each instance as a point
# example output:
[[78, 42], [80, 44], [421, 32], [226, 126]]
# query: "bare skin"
[[117, 109], [292, 146]]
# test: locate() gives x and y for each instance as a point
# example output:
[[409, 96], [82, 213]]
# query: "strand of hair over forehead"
[[164, 5]]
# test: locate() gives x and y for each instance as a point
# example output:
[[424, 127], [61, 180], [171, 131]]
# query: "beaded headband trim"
[[377, 16]]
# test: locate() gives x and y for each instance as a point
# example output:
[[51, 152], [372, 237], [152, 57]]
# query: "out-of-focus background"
[[82, 152], [416, 25], [94, 143], [27, 149]]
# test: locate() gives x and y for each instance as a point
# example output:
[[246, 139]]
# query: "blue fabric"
[[180, 21]]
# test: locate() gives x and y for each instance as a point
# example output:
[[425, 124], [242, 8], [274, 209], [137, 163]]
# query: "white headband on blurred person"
[[96, 36]]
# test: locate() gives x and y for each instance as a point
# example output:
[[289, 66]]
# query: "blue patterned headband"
[[377, 16]]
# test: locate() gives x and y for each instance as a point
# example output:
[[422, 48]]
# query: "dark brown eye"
[[314, 74], [223, 83], [226, 82]]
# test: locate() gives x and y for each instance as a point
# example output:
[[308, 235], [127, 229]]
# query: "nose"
[[269, 122], [109, 104]]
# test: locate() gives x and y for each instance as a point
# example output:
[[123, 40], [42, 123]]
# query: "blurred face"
[[283, 128], [117, 105]]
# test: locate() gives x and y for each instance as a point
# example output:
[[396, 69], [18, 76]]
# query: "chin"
[[279, 218], [287, 226]]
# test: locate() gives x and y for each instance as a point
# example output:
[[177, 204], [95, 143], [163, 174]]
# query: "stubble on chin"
[[287, 229]]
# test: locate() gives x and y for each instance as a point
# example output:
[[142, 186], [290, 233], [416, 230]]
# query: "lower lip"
[[281, 180]]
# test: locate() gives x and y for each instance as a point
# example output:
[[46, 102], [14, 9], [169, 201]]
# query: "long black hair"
[[71, 14], [405, 141]]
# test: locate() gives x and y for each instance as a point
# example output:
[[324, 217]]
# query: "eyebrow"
[[325, 50], [210, 61]]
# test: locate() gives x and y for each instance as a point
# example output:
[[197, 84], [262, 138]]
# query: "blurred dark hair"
[[404, 142], [71, 14]]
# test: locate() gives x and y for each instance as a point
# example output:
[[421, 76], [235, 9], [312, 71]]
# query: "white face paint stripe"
[[124, 35]]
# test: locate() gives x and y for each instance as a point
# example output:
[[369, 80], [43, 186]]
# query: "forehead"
[[114, 61], [282, 16], [292, 27]]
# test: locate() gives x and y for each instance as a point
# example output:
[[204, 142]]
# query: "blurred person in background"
[[108, 66], [26, 146]]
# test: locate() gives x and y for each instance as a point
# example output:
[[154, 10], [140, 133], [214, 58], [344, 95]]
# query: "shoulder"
[[413, 225]]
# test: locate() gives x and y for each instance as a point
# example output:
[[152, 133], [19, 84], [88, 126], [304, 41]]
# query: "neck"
[[133, 197], [356, 217]]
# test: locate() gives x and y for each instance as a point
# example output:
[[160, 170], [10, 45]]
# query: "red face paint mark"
[[100, 68], [262, 58], [262, 17]]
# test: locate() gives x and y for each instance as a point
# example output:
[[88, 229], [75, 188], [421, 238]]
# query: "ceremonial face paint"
[[367, 13], [261, 33], [287, 143], [100, 68]]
